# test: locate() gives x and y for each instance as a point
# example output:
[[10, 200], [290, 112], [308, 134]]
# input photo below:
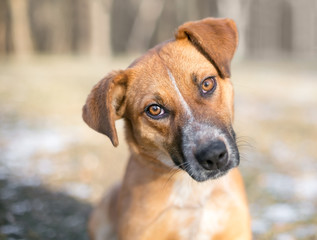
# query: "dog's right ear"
[[106, 103]]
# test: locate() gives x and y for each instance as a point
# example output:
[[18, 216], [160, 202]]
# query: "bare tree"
[[21, 34], [144, 25], [3, 27], [100, 15]]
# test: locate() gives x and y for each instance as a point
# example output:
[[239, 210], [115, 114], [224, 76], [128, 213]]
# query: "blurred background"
[[53, 168]]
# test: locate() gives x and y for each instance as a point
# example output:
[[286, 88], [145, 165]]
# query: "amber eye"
[[208, 84], [155, 111]]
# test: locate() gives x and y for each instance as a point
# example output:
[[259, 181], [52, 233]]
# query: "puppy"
[[181, 182]]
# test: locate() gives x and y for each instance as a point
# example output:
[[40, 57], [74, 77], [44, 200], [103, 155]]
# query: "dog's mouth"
[[201, 174], [209, 157]]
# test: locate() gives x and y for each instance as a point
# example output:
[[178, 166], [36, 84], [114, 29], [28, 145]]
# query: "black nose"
[[213, 156]]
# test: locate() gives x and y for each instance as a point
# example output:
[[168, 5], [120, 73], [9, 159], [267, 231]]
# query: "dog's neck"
[[153, 169], [181, 189]]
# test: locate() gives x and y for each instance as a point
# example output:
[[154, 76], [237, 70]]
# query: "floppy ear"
[[106, 103], [216, 39]]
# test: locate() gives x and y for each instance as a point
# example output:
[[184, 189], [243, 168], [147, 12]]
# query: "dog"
[[181, 181]]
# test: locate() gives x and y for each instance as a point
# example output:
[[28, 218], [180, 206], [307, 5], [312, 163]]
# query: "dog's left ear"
[[106, 103], [216, 39]]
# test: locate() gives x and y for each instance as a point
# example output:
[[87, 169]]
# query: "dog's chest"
[[199, 210], [199, 223]]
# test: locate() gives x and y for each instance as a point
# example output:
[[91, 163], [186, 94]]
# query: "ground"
[[53, 168]]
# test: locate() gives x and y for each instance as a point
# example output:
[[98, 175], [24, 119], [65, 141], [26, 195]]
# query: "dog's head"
[[177, 101]]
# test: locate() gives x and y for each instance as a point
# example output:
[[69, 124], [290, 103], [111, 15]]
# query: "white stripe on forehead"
[[182, 100]]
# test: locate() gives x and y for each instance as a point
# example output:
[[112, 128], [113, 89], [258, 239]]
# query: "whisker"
[[174, 171], [245, 144], [244, 158]]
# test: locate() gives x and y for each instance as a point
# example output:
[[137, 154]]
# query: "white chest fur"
[[202, 206]]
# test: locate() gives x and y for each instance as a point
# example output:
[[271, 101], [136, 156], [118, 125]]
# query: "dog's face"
[[177, 101]]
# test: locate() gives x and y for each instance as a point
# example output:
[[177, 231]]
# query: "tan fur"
[[157, 200]]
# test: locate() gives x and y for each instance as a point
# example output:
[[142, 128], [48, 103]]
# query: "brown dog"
[[177, 102]]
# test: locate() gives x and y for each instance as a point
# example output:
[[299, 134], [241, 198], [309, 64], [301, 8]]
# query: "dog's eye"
[[155, 111], [208, 85]]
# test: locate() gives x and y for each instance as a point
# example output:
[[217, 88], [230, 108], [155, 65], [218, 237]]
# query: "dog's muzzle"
[[208, 152]]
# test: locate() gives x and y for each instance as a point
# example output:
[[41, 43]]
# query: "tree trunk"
[[21, 33], [144, 25], [100, 25]]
